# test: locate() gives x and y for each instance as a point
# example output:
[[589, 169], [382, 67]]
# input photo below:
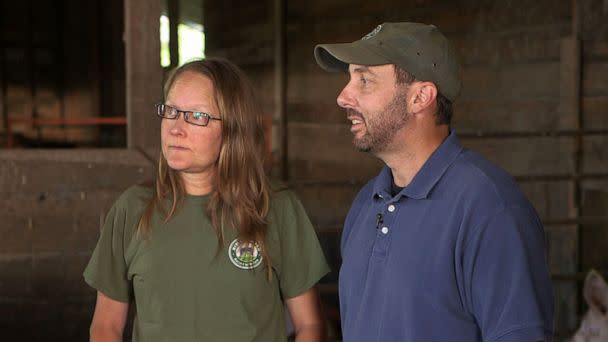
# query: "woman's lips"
[[178, 148]]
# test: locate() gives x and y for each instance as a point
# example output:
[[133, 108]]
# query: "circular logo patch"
[[245, 255]]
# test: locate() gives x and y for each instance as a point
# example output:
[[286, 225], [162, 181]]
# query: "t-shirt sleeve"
[[107, 268], [302, 263], [507, 278]]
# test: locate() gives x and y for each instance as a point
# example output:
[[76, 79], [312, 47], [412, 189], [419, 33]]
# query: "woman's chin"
[[177, 165]]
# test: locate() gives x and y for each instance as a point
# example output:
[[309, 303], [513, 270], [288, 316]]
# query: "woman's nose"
[[178, 125]]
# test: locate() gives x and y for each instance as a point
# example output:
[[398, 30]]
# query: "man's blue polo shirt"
[[457, 255]]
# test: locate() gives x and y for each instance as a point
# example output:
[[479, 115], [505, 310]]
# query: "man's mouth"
[[357, 124]]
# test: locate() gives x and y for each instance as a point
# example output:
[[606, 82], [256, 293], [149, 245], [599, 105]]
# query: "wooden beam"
[[3, 106], [143, 74], [280, 91], [173, 15]]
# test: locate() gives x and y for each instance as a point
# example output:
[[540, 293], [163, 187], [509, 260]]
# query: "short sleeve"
[[107, 268], [507, 278], [302, 263]]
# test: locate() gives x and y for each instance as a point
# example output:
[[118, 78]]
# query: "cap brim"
[[337, 57]]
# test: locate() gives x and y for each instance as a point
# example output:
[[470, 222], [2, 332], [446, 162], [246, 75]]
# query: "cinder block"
[[311, 85], [66, 176], [331, 248], [76, 318], [44, 320], [48, 277], [552, 200], [322, 143], [17, 273], [9, 312], [528, 156], [595, 82], [595, 154], [319, 113], [471, 116], [594, 112], [595, 183], [594, 236], [29, 205], [596, 48], [532, 81], [64, 234], [498, 49], [562, 247], [73, 281], [326, 204], [594, 26], [518, 15], [354, 171], [566, 296], [15, 235], [14, 322]]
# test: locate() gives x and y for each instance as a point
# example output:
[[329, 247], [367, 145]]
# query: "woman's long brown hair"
[[241, 193]]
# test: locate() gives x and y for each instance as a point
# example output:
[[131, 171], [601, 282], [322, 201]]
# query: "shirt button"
[[384, 230], [391, 208]]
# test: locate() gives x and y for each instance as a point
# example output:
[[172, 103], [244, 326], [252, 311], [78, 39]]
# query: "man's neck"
[[408, 157]]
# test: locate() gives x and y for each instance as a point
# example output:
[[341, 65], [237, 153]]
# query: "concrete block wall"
[[53, 202], [52, 206]]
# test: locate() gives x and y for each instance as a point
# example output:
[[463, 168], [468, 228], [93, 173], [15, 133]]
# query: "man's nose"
[[345, 98]]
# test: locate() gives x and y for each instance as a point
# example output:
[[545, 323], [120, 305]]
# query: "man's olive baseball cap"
[[420, 49]]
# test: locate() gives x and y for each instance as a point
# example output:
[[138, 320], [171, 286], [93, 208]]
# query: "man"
[[441, 245]]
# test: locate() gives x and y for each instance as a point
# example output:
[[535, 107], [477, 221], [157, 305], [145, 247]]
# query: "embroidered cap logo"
[[373, 33]]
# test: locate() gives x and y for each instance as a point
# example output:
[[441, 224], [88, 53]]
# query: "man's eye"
[[197, 115], [363, 80]]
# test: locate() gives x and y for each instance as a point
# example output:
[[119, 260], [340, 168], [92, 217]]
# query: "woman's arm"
[[305, 311], [108, 320]]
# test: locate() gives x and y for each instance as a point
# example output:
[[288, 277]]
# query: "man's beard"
[[380, 128]]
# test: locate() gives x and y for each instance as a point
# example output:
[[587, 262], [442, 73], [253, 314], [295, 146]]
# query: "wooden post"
[[279, 138], [173, 10], [570, 107], [144, 74]]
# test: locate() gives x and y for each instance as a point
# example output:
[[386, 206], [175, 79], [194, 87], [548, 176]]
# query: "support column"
[[144, 74]]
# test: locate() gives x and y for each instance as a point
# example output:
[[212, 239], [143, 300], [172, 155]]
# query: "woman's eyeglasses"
[[195, 118]]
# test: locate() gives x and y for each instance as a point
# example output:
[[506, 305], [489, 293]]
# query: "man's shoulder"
[[476, 177]]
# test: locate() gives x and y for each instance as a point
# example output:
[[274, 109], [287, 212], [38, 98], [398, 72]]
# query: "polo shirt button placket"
[[391, 209], [381, 244]]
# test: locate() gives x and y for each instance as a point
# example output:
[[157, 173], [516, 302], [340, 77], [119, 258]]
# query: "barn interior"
[[79, 80]]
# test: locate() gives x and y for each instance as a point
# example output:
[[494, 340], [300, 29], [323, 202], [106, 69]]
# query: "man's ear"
[[423, 95]]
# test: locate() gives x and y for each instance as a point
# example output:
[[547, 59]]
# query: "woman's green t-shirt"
[[184, 290]]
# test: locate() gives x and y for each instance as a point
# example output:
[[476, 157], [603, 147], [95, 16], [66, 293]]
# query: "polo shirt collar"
[[427, 176]]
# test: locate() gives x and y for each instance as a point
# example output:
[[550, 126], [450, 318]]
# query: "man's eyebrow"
[[363, 69]]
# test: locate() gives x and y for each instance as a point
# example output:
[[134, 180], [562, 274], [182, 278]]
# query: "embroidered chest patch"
[[245, 255]]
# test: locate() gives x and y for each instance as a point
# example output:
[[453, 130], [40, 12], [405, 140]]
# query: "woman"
[[212, 251]]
